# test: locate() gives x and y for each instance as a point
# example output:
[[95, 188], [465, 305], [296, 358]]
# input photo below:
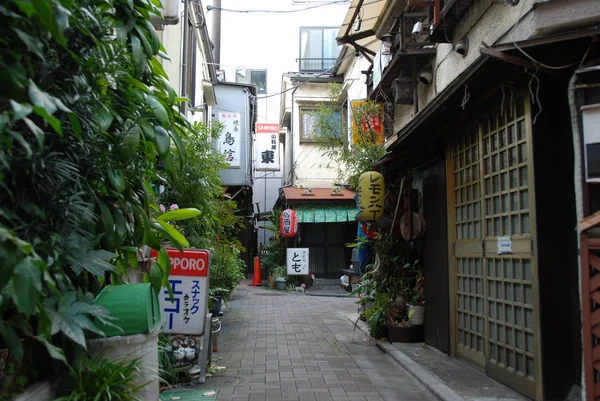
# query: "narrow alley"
[[289, 346]]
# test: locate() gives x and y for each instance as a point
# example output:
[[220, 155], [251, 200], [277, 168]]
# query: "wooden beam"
[[356, 11], [509, 58], [436, 12], [419, 3]]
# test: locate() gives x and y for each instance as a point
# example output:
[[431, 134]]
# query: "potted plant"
[[280, 276], [416, 302]]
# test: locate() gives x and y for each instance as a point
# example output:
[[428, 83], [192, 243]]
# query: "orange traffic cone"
[[256, 279]]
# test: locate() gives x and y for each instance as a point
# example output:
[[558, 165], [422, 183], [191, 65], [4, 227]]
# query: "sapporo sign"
[[186, 314]]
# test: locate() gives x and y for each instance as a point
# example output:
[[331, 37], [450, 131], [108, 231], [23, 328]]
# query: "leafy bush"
[[199, 186], [227, 267], [86, 112], [100, 379]]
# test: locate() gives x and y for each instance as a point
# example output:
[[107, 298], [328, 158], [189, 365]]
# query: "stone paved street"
[[289, 346]]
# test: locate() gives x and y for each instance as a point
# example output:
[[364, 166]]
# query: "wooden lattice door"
[[495, 295]]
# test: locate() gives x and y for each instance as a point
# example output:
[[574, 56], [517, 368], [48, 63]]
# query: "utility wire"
[[307, 81], [209, 8]]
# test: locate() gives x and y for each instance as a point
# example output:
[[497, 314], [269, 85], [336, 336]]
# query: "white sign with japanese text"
[[267, 146], [186, 314], [230, 139], [297, 261]]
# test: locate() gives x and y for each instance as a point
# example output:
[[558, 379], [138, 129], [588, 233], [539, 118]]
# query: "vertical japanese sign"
[[186, 314], [372, 125], [230, 140], [297, 261], [371, 198], [267, 146]]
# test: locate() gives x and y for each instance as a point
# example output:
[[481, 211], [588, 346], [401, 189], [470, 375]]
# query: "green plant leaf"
[[53, 121], [108, 223], [25, 6], [33, 45], [79, 252], [137, 55], [75, 124], [22, 141], [163, 143], [159, 111], [27, 285], [21, 110], [11, 339], [150, 238], [165, 263], [40, 98], [156, 276], [175, 236], [54, 351], [179, 214], [36, 131]]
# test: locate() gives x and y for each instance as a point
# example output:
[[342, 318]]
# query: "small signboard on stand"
[[186, 314], [297, 261]]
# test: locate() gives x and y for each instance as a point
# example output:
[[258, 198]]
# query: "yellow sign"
[[371, 124], [371, 187]]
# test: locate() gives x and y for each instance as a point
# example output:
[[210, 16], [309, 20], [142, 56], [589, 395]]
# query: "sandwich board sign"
[[186, 314]]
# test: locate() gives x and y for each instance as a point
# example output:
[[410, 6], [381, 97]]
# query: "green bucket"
[[135, 308]]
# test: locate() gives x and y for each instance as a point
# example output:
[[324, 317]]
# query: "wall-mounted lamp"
[[386, 44], [462, 47], [426, 76], [417, 28]]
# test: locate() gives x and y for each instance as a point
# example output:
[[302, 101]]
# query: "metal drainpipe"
[[292, 135], [216, 31], [577, 176], [184, 55]]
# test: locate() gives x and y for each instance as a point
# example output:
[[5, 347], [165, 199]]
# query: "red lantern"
[[288, 223], [368, 231]]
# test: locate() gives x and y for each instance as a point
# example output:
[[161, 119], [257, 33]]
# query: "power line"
[[307, 81], [209, 8]]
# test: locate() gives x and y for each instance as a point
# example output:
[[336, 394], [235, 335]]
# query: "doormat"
[[207, 394]]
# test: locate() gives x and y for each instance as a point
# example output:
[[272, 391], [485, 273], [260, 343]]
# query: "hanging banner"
[[372, 125], [186, 314], [267, 147], [371, 198], [230, 139], [297, 261]]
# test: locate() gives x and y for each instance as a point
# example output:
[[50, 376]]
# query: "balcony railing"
[[315, 64]]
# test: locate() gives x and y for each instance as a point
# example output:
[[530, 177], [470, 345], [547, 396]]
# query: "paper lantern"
[[368, 231], [288, 223], [371, 189]]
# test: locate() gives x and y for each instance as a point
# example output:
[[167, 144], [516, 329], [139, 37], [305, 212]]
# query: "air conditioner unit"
[[169, 13], [591, 141]]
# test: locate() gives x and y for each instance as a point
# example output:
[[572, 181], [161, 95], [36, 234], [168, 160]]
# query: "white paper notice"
[[504, 245]]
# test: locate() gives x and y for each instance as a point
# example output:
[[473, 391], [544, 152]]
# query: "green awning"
[[325, 213]]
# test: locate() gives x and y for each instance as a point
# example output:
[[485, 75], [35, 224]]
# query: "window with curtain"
[[318, 48], [308, 130]]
